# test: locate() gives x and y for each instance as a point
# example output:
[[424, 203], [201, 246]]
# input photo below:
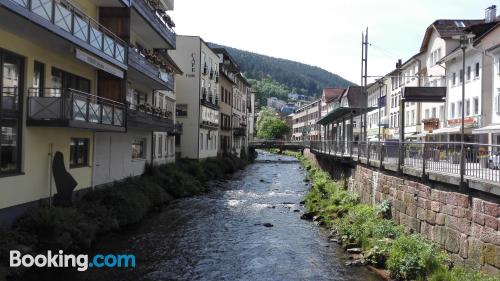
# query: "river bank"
[[247, 228], [372, 238], [74, 229]]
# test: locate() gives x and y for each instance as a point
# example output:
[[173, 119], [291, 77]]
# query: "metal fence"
[[480, 161]]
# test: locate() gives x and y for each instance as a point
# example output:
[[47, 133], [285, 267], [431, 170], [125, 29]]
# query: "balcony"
[[57, 107], [208, 99], [63, 19], [149, 68], [239, 132], [149, 11], [145, 116]]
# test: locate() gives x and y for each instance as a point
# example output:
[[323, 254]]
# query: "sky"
[[323, 33]]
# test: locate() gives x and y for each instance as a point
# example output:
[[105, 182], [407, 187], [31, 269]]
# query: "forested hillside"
[[278, 77]]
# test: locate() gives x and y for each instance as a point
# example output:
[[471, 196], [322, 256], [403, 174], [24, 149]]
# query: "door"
[[102, 159]]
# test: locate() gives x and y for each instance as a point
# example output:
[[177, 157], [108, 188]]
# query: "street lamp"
[[464, 44]]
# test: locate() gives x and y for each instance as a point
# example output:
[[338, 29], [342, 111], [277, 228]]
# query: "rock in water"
[[267, 224], [308, 216], [355, 250]]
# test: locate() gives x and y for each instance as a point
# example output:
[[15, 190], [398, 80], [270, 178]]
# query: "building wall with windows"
[[197, 97], [26, 162]]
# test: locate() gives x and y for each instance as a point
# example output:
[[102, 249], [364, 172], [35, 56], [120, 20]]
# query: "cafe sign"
[[469, 122]]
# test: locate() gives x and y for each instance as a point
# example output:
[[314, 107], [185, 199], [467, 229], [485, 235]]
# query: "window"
[[139, 149], [467, 107], [206, 143], [454, 79], [476, 106], [468, 73], [427, 113], [477, 70], [459, 108], [65, 80], [461, 75], [181, 110], [78, 153], [452, 110], [11, 71], [201, 141], [497, 104], [38, 79], [413, 117], [441, 112]]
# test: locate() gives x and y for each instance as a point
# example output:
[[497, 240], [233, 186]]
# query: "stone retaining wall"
[[466, 225]]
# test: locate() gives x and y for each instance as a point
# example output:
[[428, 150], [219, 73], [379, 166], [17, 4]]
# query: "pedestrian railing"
[[480, 161]]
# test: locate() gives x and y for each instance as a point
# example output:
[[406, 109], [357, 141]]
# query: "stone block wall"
[[465, 225]]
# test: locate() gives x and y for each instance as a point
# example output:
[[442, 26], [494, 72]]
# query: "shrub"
[[57, 228], [412, 257], [460, 274]]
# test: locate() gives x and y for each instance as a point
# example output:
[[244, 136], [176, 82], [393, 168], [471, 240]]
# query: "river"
[[221, 235]]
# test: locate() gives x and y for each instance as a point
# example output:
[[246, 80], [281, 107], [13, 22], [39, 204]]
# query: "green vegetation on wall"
[[384, 244]]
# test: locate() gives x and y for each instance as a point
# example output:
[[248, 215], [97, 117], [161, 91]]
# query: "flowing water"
[[221, 235]]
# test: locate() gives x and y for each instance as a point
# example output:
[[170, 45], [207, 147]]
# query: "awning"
[[488, 129], [342, 112], [450, 130]]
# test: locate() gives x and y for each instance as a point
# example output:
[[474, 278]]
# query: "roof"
[[354, 96], [447, 28], [330, 94]]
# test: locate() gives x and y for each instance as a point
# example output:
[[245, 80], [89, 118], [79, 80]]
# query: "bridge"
[[281, 145]]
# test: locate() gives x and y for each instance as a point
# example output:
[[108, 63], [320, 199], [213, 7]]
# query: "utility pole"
[[364, 77]]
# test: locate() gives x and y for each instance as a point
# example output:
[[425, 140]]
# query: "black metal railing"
[[147, 67], [72, 20], [152, 110], [480, 161], [150, 14], [53, 104]]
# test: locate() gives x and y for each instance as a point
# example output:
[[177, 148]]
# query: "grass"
[[385, 245]]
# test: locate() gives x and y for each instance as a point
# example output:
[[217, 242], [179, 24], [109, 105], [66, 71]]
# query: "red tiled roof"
[[332, 93]]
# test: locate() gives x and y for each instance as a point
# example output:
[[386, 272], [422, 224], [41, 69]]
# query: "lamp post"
[[464, 43]]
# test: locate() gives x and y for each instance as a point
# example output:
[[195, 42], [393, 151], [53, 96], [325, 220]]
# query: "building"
[[328, 98], [68, 73], [339, 123], [251, 115], [228, 71], [304, 122], [275, 103], [241, 91], [150, 94], [197, 97], [377, 118]]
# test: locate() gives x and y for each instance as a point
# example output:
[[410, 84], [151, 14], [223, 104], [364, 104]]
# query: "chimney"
[[490, 14]]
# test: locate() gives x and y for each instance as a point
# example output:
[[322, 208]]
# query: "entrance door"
[[102, 160]]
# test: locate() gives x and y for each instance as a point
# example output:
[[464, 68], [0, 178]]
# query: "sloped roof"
[[331, 93], [447, 28], [354, 96]]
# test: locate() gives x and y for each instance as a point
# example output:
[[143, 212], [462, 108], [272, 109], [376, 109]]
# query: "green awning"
[[341, 113]]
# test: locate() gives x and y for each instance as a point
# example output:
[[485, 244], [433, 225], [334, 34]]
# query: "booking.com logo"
[[80, 262]]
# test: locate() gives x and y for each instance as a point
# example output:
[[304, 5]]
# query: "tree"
[[269, 126]]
